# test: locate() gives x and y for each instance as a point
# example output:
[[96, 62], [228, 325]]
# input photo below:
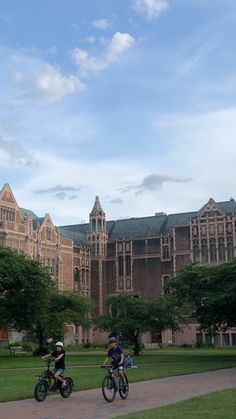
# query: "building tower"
[[98, 244]]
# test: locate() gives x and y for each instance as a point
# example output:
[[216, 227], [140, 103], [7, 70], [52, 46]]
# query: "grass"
[[218, 405], [19, 383]]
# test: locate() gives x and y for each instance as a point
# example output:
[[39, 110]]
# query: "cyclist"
[[59, 358], [117, 358]]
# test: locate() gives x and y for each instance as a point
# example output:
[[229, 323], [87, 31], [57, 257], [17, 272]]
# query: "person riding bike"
[[59, 358], [117, 357]]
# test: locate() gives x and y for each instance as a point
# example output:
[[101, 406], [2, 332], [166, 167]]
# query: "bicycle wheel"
[[108, 389], [41, 391], [66, 391], [123, 388]]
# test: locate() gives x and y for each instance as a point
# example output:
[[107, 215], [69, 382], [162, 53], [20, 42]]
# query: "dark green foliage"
[[128, 317], [207, 294], [22, 290], [30, 301]]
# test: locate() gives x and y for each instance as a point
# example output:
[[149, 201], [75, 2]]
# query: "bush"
[[14, 344], [204, 345], [26, 346]]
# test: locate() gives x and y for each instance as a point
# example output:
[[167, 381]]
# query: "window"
[[48, 234], [212, 229], [230, 250], [196, 253], [203, 230], [213, 250], [76, 274], [120, 266], [164, 282], [127, 246], [128, 265], [204, 251], [221, 249], [195, 232], [120, 247], [7, 214], [165, 252], [220, 228], [229, 228]]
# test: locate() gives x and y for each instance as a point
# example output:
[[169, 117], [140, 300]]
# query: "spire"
[[97, 209]]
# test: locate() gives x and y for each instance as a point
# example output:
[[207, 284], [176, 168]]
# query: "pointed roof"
[[97, 209]]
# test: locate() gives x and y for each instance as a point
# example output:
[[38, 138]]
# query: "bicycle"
[[48, 383], [112, 383]]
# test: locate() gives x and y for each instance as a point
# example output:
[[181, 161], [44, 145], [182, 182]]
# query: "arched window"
[[76, 274], [165, 279]]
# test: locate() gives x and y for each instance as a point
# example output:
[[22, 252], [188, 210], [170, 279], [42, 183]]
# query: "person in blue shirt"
[[128, 363], [116, 354]]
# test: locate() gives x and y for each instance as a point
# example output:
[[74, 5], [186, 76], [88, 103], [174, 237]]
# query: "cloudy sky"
[[131, 100]]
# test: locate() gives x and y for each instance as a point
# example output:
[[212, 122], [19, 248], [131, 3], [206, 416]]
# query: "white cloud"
[[40, 80], [101, 24], [51, 85], [86, 63], [150, 9]]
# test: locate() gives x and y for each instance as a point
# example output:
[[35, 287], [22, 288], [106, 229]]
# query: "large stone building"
[[135, 255]]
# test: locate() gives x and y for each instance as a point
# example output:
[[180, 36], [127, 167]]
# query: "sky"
[[130, 100]]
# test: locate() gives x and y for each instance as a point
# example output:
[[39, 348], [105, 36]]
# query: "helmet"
[[59, 344], [112, 339]]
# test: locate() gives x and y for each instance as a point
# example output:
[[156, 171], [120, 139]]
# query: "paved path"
[[90, 404]]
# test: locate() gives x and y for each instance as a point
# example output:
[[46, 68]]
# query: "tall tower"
[[98, 244]]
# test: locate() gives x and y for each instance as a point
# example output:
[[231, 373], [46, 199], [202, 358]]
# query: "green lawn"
[[19, 383], [219, 405]]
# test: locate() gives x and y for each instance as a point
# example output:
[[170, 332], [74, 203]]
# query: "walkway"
[[144, 395]]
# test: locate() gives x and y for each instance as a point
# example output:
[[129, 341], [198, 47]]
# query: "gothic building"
[[135, 255]]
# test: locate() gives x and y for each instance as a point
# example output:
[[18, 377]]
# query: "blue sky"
[[131, 100]]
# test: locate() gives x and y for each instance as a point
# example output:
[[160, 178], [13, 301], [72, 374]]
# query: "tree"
[[30, 301], [207, 294], [128, 317], [60, 310], [23, 285]]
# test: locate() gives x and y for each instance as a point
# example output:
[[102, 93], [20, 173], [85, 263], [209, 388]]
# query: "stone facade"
[[136, 255]]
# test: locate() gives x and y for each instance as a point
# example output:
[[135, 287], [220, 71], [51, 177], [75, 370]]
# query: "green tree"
[[58, 311], [128, 317], [30, 301], [23, 285], [207, 294]]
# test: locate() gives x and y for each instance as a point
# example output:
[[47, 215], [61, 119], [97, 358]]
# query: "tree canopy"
[[128, 317], [207, 294], [30, 300], [22, 290]]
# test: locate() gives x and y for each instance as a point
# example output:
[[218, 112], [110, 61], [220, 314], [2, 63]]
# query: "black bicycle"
[[47, 383], [112, 383]]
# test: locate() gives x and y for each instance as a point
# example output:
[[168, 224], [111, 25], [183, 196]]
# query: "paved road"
[[90, 404]]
